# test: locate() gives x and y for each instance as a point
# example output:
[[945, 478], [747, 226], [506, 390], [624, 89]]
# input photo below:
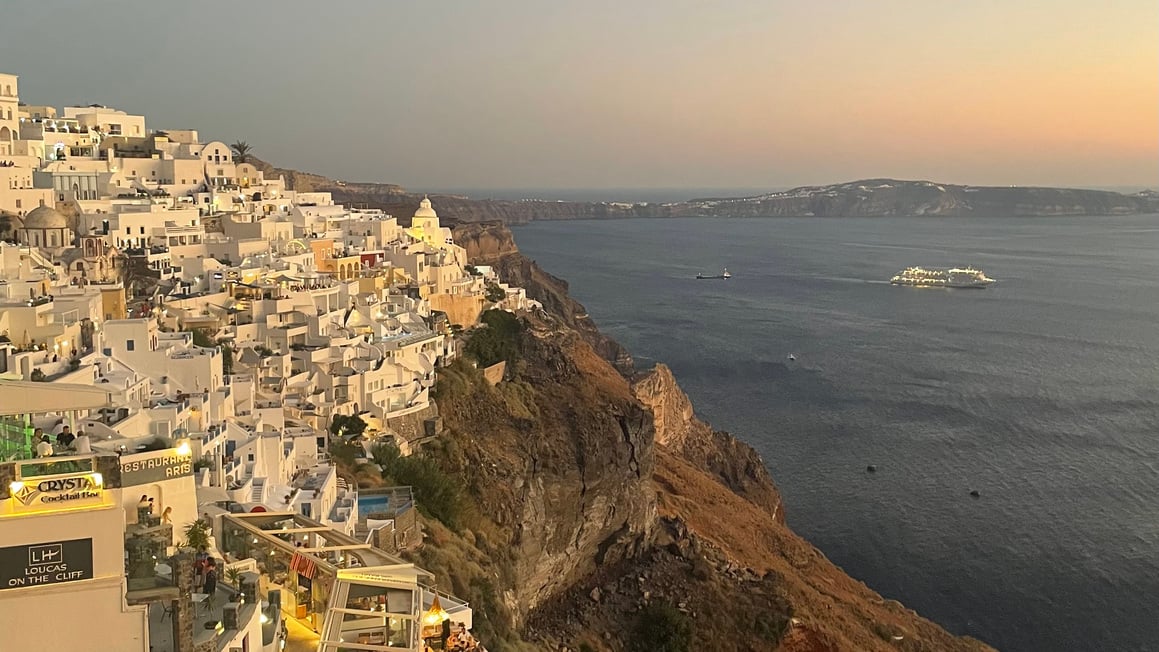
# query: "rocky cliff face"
[[559, 460], [735, 464], [595, 497], [492, 244]]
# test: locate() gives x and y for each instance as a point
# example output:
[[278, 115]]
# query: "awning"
[[24, 397]]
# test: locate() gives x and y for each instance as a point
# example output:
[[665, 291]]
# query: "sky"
[[624, 93]]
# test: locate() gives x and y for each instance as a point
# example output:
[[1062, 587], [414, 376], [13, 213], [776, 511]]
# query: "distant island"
[[865, 198]]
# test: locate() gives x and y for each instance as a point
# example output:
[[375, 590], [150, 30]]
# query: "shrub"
[[661, 628], [495, 294], [38, 376], [497, 340], [436, 492], [347, 425], [203, 338], [345, 453]]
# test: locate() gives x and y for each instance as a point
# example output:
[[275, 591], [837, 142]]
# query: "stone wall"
[[413, 427], [494, 373], [461, 310]]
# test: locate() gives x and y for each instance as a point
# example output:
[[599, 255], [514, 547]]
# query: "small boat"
[[721, 275], [792, 357]]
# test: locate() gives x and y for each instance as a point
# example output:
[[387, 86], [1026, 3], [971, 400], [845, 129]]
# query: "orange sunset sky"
[[636, 94]]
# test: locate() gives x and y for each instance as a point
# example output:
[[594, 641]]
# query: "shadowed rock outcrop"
[[594, 497]]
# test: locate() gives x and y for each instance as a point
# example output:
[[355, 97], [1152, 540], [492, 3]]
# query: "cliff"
[[493, 244], [865, 198], [720, 455], [590, 499]]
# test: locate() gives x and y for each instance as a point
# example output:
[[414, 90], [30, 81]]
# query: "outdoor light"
[[15, 486], [99, 479], [264, 619], [183, 449], [435, 615]]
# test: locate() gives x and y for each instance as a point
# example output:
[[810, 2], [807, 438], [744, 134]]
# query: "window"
[[142, 230], [130, 345], [18, 203], [128, 230]]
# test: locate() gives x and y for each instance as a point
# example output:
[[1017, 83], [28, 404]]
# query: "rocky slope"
[[490, 243], [865, 198], [591, 496]]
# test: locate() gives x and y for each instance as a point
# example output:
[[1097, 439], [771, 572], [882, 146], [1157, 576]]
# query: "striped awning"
[[303, 565]]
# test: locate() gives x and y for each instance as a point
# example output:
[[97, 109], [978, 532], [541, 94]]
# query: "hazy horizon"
[[604, 95]]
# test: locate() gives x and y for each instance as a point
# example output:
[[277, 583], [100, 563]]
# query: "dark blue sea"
[[1041, 392]]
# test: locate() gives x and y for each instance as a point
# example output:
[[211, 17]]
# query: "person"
[[82, 443], [44, 448], [167, 515], [210, 580], [65, 438], [143, 508], [200, 563]]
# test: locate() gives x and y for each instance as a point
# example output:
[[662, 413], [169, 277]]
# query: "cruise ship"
[[957, 277]]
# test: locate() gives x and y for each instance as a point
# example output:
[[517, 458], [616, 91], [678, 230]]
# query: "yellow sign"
[[57, 492]]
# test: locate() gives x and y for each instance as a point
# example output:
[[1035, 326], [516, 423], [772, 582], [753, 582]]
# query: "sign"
[[154, 466], [46, 563], [57, 492]]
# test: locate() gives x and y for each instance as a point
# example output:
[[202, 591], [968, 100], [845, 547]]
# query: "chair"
[[167, 610]]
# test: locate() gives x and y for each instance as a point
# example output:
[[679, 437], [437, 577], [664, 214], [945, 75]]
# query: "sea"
[[1040, 392]]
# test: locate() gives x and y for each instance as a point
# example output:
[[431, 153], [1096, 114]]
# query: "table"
[[199, 599], [164, 570]]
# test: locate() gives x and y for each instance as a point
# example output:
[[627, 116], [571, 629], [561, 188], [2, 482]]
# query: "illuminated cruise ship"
[[957, 277]]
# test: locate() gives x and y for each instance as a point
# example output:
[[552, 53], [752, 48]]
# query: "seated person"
[[65, 438]]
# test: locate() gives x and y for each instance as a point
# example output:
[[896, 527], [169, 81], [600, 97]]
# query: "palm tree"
[[241, 151]]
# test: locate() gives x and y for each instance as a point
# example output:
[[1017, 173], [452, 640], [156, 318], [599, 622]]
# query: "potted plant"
[[196, 535]]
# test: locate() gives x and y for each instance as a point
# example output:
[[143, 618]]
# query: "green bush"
[[202, 338], [497, 340], [343, 425], [495, 294], [436, 493], [456, 381], [661, 628], [345, 453]]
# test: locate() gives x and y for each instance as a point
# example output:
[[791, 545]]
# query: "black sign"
[[143, 468], [46, 563]]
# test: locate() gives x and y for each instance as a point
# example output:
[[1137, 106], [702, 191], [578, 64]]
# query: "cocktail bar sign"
[[36, 494]]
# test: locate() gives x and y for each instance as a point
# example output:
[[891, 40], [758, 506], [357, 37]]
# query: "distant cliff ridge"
[[866, 198]]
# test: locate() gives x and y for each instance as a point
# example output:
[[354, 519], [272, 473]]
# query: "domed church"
[[46, 228]]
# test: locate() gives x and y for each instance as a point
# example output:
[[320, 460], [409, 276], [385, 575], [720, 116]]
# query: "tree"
[[497, 339], [241, 151], [495, 294], [343, 425], [201, 337], [226, 357], [196, 535], [661, 628]]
